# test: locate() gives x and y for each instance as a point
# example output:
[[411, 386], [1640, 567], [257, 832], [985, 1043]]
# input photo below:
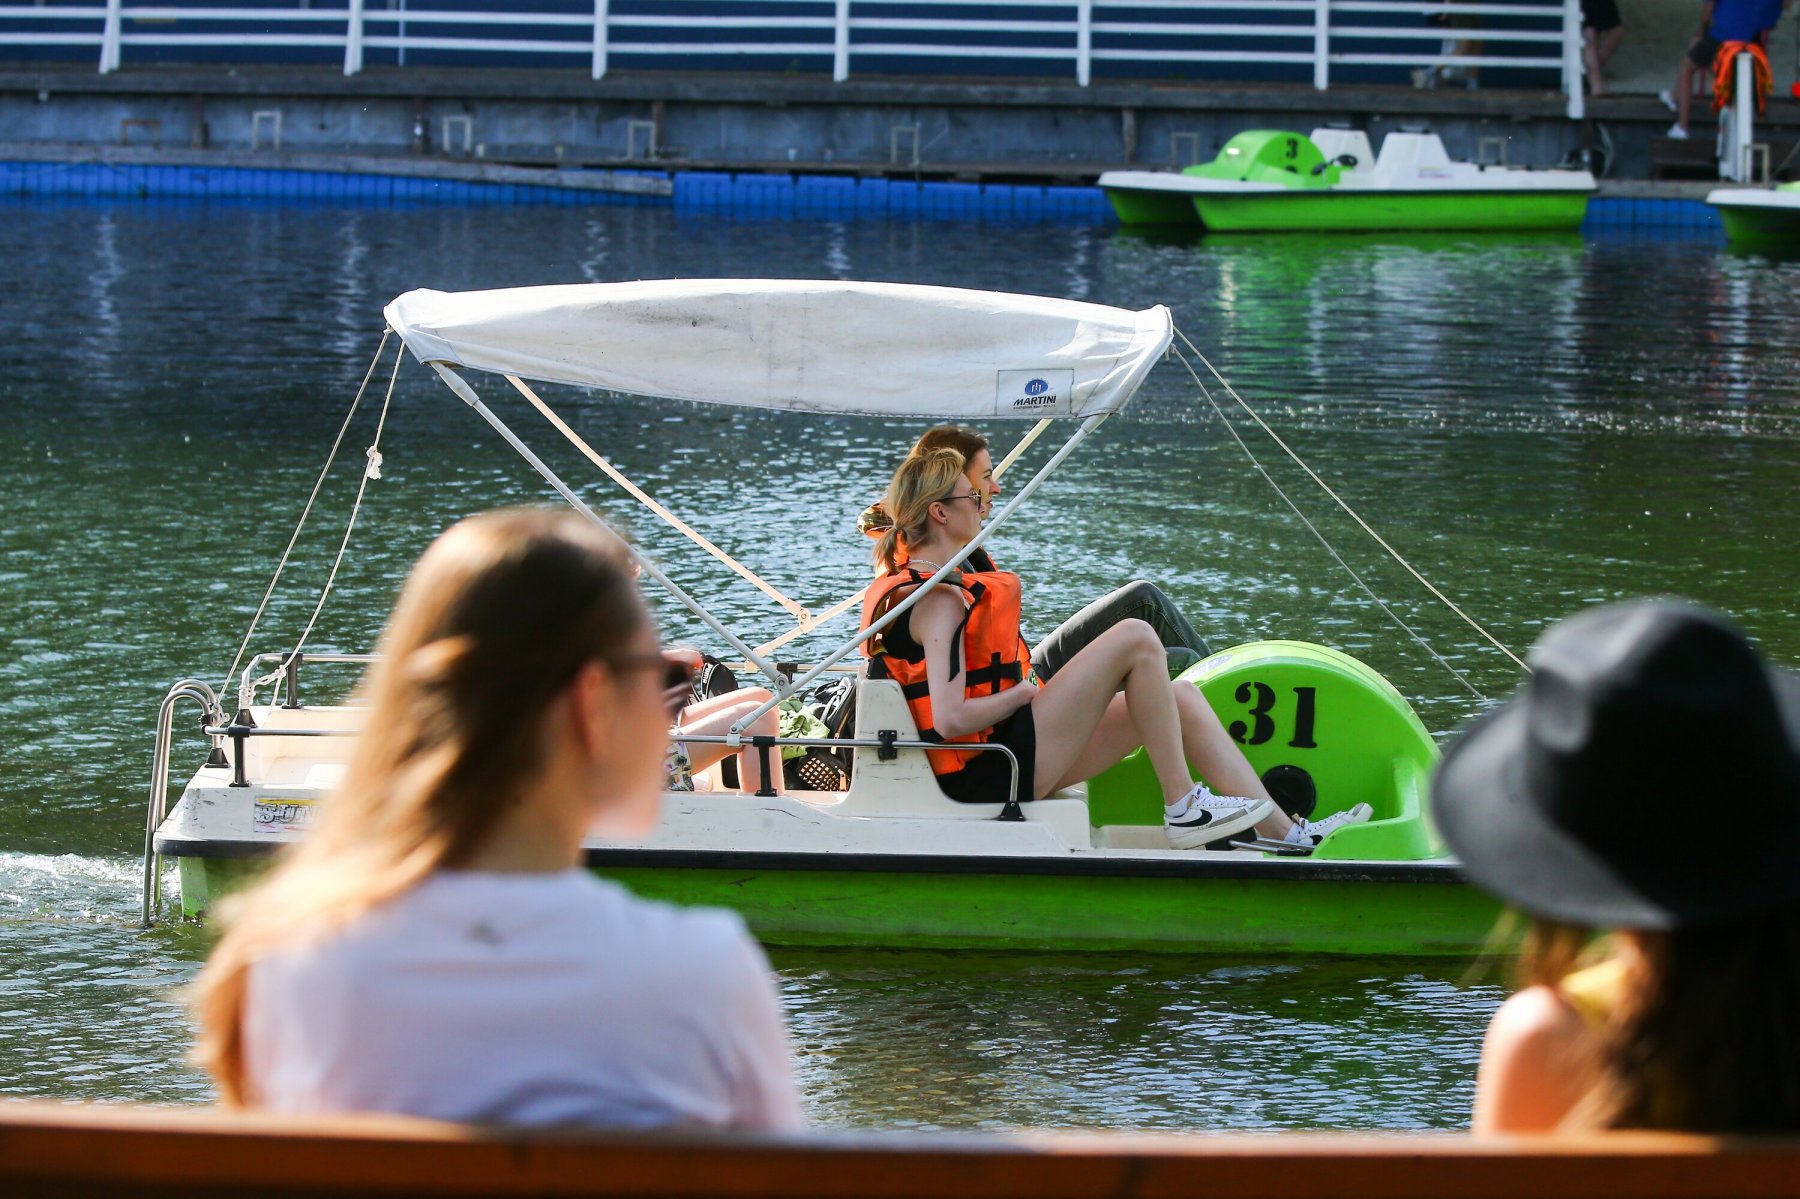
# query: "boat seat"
[[906, 786]]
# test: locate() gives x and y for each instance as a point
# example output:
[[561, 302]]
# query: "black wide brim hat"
[[1647, 776]]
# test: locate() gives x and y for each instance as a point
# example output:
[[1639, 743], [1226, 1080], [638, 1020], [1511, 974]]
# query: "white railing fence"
[[1322, 33]]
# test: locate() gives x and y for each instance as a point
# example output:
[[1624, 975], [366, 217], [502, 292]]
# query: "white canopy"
[[807, 345]]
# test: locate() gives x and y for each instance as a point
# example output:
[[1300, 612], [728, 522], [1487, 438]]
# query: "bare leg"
[[714, 716], [1073, 711], [1608, 44], [1217, 758], [1590, 61]]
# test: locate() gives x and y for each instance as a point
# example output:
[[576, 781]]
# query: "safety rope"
[[1313, 529], [371, 470], [238, 658], [675, 522], [1339, 500]]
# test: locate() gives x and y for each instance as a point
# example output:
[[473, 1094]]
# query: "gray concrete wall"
[[987, 130]]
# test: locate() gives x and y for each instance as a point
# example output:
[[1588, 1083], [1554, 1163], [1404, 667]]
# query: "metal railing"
[[1077, 34], [210, 716]]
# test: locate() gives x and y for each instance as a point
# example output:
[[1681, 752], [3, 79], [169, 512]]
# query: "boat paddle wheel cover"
[[1293, 789]]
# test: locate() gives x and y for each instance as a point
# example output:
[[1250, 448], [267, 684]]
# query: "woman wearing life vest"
[[1138, 599], [963, 668]]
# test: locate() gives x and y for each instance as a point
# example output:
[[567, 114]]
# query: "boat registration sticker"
[[1032, 394], [279, 814]]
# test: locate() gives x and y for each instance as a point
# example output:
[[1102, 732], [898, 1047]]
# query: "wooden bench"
[[49, 1150]]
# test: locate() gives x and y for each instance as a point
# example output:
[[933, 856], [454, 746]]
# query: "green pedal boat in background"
[[1266, 181], [888, 859], [1759, 215]]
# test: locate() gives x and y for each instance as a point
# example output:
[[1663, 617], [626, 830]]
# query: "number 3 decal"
[[1261, 698]]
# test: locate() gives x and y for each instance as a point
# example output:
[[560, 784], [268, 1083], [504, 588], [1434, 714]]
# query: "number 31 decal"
[[1261, 698]]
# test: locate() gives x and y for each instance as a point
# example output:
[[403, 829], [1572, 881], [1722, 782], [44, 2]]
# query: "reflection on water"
[[1539, 423]]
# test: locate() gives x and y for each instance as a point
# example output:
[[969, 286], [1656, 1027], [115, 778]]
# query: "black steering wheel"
[[1343, 160]]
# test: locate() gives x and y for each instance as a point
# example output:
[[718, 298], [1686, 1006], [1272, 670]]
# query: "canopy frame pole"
[[942, 574], [466, 393]]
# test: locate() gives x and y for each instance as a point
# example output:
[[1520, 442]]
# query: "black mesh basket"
[[816, 770]]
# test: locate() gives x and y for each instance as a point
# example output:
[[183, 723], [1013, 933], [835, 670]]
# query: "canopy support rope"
[[238, 658], [669, 518], [371, 470], [1337, 499], [460, 386], [1314, 530]]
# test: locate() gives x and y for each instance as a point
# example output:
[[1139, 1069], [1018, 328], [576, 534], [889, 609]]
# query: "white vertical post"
[[353, 39], [109, 39], [840, 42], [1321, 44], [1571, 43], [600, 17], [1738, 128], [1084, 41]]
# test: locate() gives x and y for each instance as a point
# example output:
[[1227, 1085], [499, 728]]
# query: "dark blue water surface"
[[1537, 424]]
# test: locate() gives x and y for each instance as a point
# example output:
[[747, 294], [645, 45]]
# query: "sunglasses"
[[677, 675]]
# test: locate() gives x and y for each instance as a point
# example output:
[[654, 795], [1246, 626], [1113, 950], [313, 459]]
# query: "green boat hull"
[[1335, 910], [1367, 212], [1760, 225], [1142, 207]]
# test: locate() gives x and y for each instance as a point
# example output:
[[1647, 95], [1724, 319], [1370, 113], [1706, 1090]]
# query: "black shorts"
[[1600, 15], [1704, 50], [988, 775]]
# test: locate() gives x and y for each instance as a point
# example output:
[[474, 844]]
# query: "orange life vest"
[[1725, 76], [989, 653]]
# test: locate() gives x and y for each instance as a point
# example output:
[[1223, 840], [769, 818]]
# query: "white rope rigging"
[[1351, 512], [1313, 529], [371, 470], [637, 493], [318, 483]]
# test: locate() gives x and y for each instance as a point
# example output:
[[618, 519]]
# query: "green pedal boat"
[[1266, 181], [887, 860], [1759, 215]]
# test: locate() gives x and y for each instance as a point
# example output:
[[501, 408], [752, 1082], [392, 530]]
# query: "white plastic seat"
[[905, 784]]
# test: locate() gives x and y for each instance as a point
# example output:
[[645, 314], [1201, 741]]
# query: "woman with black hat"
[[1598, 800]]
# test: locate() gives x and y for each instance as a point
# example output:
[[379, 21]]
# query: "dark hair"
[[1706, 1034], [960, 438]]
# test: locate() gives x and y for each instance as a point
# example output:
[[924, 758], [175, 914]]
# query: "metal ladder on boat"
[[210, 715]]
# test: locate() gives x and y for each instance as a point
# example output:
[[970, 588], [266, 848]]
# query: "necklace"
[[925, 561]]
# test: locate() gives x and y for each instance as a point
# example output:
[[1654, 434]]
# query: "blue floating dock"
[[746, 194]]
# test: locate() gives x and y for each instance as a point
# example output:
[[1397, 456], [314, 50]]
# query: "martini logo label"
[[1034, 394]]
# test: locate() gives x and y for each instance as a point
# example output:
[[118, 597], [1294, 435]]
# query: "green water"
[[1538, 424]]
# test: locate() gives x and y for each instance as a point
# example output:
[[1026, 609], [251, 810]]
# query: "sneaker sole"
[[1199, 835]]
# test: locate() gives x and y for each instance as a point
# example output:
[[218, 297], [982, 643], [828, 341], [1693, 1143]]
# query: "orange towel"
[[1725, 75]]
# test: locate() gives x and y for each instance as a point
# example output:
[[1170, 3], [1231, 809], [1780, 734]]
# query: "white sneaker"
[[1668, 100], [1208, 817], [1311, 832], [1677, 132]]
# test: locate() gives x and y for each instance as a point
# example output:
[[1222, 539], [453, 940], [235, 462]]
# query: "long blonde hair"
[[495, 619], [923, 479]]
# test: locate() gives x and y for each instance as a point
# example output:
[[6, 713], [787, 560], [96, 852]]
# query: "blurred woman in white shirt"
[[434, 947]]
